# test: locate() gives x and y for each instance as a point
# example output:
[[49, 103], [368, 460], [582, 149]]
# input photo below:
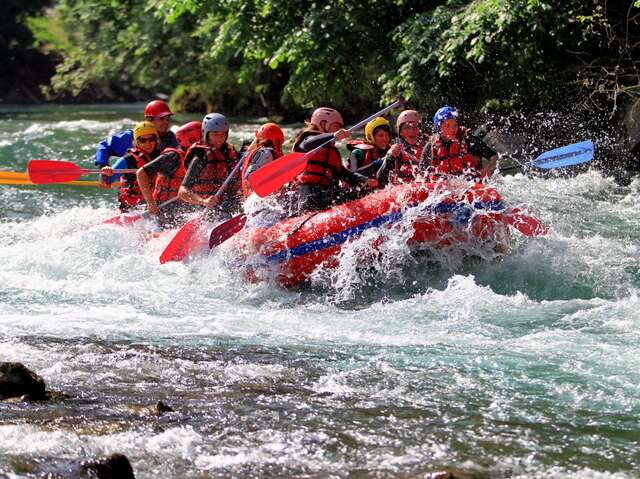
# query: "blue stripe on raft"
[[342, 236], [333, 239]]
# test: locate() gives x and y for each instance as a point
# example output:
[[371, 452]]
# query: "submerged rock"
[[454, 473], [115, 466], [16, 381], [158, 409]]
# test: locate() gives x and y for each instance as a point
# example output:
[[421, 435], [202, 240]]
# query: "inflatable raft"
[[293, 248]]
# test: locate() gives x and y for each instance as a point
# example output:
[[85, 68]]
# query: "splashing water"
[[517, 366]]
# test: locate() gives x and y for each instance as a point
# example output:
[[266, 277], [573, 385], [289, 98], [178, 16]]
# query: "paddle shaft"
[[178, 247], [360, 124], [125, 170], [225, 186], [275, 173]]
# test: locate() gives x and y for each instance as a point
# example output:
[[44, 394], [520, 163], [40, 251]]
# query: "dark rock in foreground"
[[18, 381], [116, 466]]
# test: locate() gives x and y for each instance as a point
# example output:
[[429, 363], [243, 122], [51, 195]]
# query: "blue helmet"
[[445, 113]]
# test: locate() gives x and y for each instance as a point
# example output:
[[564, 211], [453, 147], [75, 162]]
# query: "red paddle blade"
[[180, 246], [272, 176], [52, 171], [526, 224], [123, 220], [226, 230]]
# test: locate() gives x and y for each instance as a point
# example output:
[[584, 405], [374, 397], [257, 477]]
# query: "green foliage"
[[508, 52], [49, 33], [23, 66], [263, 56]]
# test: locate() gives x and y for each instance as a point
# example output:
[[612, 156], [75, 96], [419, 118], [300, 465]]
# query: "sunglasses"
[[146, 139]]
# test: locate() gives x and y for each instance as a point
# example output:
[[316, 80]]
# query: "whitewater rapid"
[[522, 366]]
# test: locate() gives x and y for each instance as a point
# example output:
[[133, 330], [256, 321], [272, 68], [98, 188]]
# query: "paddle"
[[180, 245], [570, 155], [127, 219], [55, 171], [226, 230], [275, 174], [22, 178]]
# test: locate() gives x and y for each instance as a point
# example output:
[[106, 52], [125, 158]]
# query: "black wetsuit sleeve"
[[353, 178], [388, 163], [315, 141], [425, 158], [167, 164], [477, 147], [196, 166]]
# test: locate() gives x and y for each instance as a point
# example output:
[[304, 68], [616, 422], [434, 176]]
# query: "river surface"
[[525, 367]]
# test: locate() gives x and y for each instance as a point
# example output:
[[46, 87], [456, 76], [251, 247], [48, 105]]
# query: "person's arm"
[[355, 179], [260, 158], [312, 142], [425, 158], [166, 164], [479, 148], [117, 145]]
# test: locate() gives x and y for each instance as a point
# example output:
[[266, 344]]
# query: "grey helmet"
[[214, 122]]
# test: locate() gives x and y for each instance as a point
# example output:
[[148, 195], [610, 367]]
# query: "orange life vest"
[[404, 169], [167, 187], [323, 167], [130, 193], [452, 157], [219, 166], [371, 153]]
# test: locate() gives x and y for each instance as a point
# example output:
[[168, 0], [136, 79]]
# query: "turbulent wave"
[[516, 366]]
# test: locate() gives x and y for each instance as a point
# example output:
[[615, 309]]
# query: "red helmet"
[[157, 109], [273, 133], [188, 134], [326, 114], [408, 116]]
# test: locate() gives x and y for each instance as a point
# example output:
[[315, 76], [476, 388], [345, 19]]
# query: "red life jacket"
[[130, 193], [414, 150], [167, 187], [323, 168], [452, 157], [404, 169], [219, 166], [371, 153], [247, 162]]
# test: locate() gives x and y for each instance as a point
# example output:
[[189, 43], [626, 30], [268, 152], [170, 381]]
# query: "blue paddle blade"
[[569, 155]]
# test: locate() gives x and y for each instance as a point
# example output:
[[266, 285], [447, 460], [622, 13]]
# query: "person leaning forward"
[[318, 186], [210, 163]]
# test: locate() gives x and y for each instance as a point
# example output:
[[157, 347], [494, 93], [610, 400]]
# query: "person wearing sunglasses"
[[145, 149], [156, 112]]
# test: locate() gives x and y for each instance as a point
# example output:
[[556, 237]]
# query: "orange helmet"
[[273, 133], [188, 134], [329, 115], [408, 116], [157, 109]]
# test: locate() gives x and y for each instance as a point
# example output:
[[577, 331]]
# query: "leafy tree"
[[16, 46], [264, 56]]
